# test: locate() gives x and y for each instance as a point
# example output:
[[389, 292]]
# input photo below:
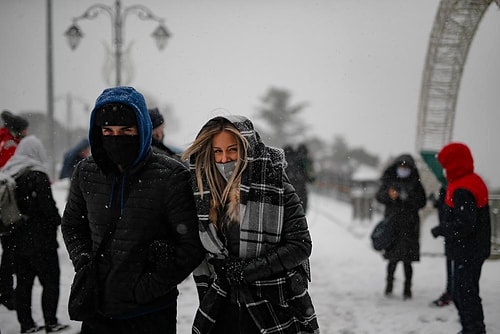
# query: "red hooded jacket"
[[8, 145], [467, 225], [458, 163]]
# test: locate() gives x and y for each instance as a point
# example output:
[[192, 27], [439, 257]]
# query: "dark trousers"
[[234, 319], [465, 290], [449, 276], [391, 268], [164, 321], [7, 268], [44, 265]]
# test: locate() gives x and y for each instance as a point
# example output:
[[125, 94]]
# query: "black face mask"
[[122, 150]]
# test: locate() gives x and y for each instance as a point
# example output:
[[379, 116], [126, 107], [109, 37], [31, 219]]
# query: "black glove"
[[82, 261], [160, 254], [230, 269], [435, 231]]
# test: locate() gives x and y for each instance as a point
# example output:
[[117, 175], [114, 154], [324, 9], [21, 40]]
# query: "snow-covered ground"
[[348, 279]]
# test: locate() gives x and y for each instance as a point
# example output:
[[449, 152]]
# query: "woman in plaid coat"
[[255, 275]]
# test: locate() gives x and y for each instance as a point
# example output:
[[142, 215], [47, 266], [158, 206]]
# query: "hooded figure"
[[14, 129], [35, 253], [158, 135], [147, 198], [72, 157], [467, 230], [403, 195], [253, 227]]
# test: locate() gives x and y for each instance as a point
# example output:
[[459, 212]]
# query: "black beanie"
[[156, 117], [115, 114], [16, 124]]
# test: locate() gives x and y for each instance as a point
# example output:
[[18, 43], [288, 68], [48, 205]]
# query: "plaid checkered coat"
[[274, 234]]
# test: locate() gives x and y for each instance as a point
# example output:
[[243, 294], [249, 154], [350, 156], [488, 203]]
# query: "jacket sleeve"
[[187, 252], [382, 195], [295, 246], [416, 197], [75, 225]]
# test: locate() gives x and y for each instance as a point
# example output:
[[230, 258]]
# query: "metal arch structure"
[[454, 28]]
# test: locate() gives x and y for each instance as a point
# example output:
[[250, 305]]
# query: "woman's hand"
[[230, 269], [393, 193]]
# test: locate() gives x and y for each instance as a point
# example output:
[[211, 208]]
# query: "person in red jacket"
[[467, 231], [14, 129]]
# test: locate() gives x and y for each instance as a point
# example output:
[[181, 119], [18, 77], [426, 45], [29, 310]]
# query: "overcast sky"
[[357, 63]]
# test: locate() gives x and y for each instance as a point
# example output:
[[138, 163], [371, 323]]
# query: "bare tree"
[[280, 116]]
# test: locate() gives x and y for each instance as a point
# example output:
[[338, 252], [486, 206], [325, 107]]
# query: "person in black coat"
[[13, 130], [252, 225], [158, 134], [467, 231], [35, 239], [73, 156], [148, 198], [299, 170], [403, 195], [438, 202]]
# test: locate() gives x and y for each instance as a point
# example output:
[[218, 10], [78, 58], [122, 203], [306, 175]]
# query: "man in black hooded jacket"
[[148, 197]]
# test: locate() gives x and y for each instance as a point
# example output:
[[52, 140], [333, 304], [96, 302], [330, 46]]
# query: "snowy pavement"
[[347, 285]]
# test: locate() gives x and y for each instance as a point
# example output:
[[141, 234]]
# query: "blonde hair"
[[221, 191]]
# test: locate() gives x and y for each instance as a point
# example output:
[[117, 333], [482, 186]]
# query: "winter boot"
[[443, 300], [407, 290], [57, 327], [388, 287]]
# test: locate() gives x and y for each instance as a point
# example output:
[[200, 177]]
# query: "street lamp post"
[[117, 15]]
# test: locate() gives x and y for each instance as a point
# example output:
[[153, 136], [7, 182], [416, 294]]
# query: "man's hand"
[[160, 254]]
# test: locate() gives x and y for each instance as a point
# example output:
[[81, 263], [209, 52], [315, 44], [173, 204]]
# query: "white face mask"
[[403, 172], [226, 169]]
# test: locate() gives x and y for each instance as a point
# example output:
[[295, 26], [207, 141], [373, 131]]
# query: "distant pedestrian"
[[403, 195], [300, 171], [159, 134], [35, 239], [467, 231], [142, 205], [15, 128], [254, 230], [73, 156], [439, 203]]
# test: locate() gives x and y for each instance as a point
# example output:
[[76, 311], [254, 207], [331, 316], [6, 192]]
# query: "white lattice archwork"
[[454, 28]]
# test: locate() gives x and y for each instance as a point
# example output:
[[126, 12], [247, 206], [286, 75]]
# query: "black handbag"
[[84, 293], [83, 296], [383, 235]]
